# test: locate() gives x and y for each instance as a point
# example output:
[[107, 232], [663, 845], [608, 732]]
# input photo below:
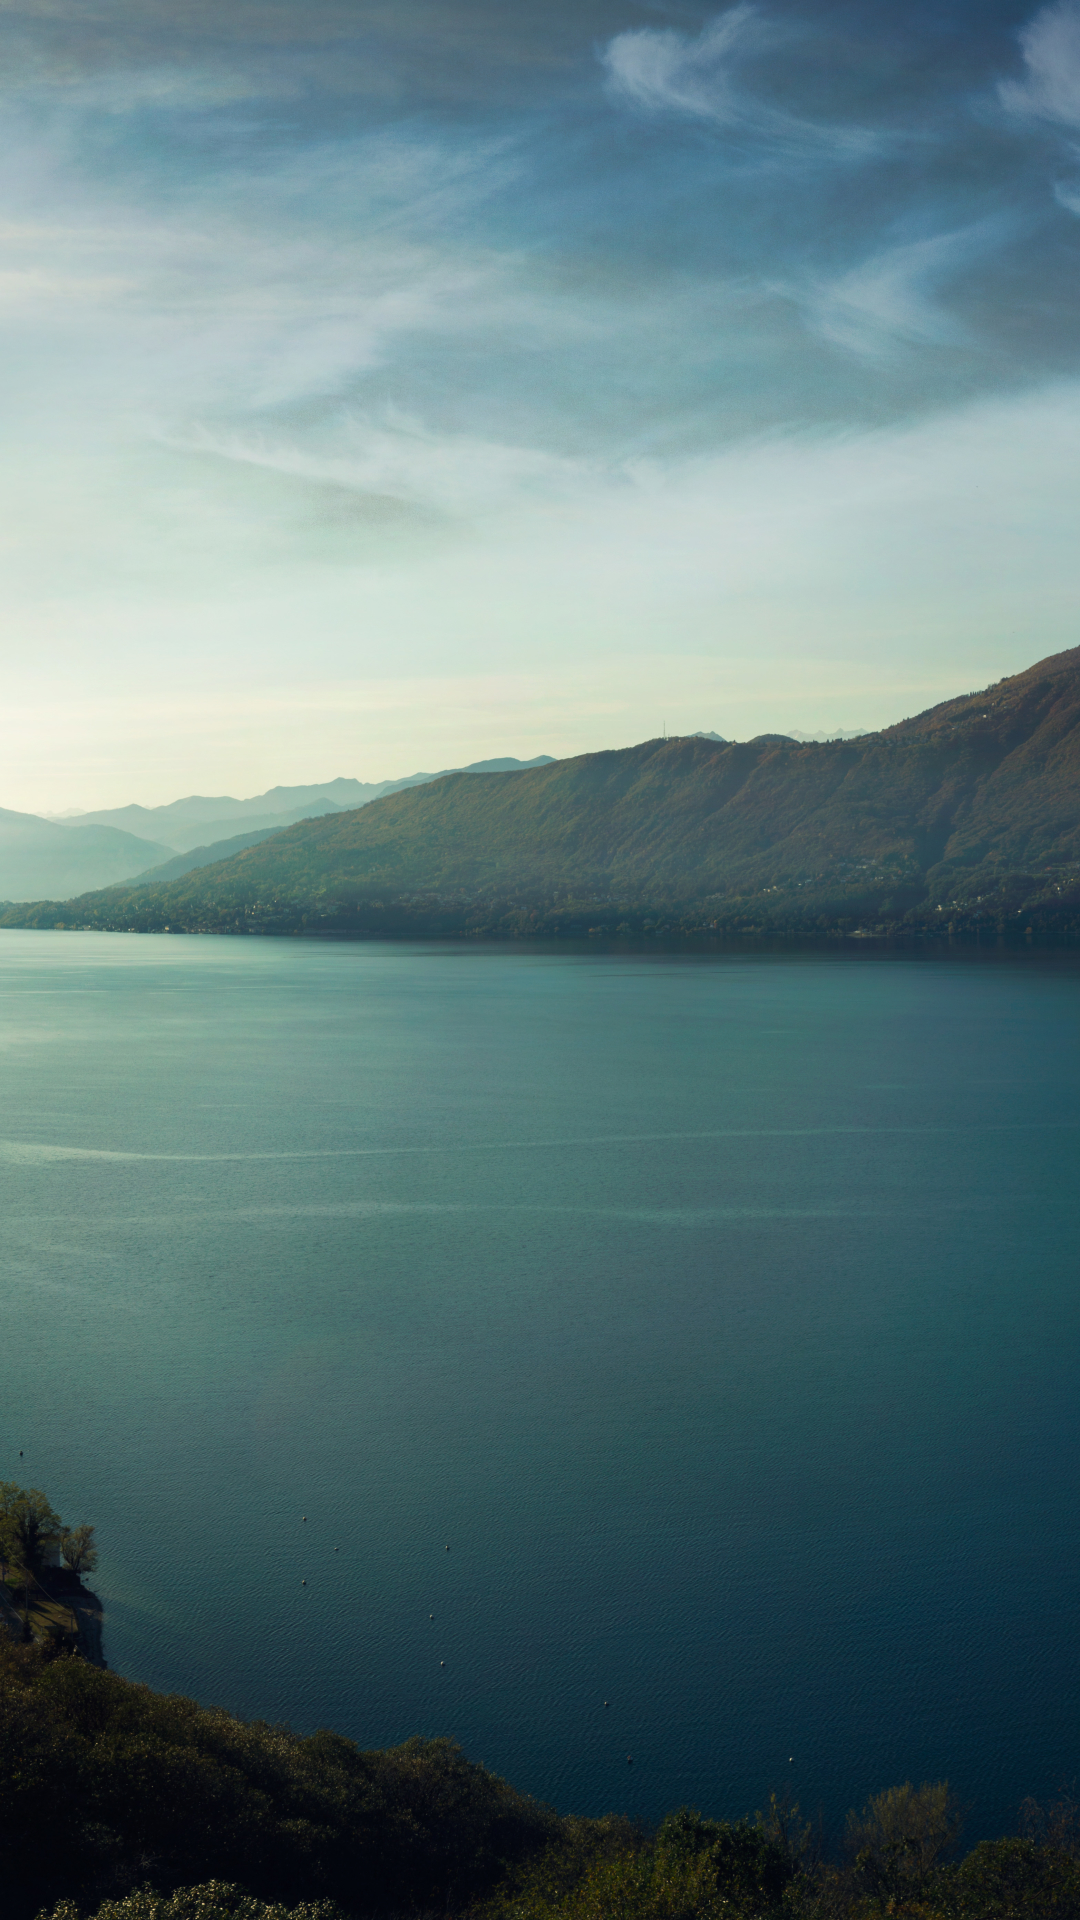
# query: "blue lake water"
[[719, 1313]]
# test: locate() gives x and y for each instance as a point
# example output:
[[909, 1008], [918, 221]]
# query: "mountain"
[[854, 733], [40, 857], [200, 819], [205, 818], [182, 863], [968, 812]]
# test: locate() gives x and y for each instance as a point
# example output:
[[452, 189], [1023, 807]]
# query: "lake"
[[695, 1333]]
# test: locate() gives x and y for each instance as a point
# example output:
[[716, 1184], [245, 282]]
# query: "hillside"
[[969, 811], [201, 819], [112, 1797], [204, 856], [41, 856]]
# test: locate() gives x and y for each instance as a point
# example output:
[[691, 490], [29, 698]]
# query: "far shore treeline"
[[963, 819]]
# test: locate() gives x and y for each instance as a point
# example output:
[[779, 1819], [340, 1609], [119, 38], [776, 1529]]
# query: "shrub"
[[105, 1785], [214, 1901]]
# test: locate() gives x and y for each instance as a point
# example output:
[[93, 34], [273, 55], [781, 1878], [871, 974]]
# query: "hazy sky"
[[391, 383]]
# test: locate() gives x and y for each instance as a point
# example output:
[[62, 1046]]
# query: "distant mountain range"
[[45, 857], [202, 819], [855, 733], [59, 857], [967, 814]]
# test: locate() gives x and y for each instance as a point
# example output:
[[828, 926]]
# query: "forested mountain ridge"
[[199, 819], [970, 810]]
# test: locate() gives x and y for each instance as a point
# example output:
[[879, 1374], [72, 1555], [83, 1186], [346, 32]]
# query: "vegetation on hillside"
[[966, 815], [31, 1535], [105, 1786], [133, 1805], [29, 1527]]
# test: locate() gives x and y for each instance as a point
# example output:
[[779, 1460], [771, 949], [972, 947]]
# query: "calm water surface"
[[721, 1315]]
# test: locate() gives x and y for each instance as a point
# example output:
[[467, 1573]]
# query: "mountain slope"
[[39, 857], [972, 807], [207, 856], [200, 819]]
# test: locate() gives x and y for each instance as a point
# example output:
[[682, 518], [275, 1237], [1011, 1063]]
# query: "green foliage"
[[782, 1823], [105, 1785], [214, 1901], [1056, 1824], [9, 1493], [78, 1548], [901, 1835], [1013, 1879], [132, 1805], [748, 1868], [694, 1869], [28, 1525], [641, 1884]]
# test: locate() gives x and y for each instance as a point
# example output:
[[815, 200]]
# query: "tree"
[[9, 1493], [213, 1901], [78, 1548], [900, 1835], [31, 1525], [748, 1868]]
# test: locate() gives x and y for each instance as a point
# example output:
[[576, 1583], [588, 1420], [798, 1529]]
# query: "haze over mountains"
[[45, 856], [59, 857], [971, 809]]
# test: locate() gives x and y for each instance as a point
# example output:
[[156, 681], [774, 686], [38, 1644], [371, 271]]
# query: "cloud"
[[304, 395], [160, 90], [1050, 44], [36, 288], [861, 575], [663, 71], [264, 287], [888, 299], [402, 458]]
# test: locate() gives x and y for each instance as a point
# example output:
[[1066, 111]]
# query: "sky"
[[391, 384]]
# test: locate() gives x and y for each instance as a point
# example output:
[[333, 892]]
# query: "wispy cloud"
[[659, 70], [342, 341], [290, 284], [36, 289], [1050, 89], [890, 298], [862, 575], [403, 458], [158, 89], [664, 71]]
